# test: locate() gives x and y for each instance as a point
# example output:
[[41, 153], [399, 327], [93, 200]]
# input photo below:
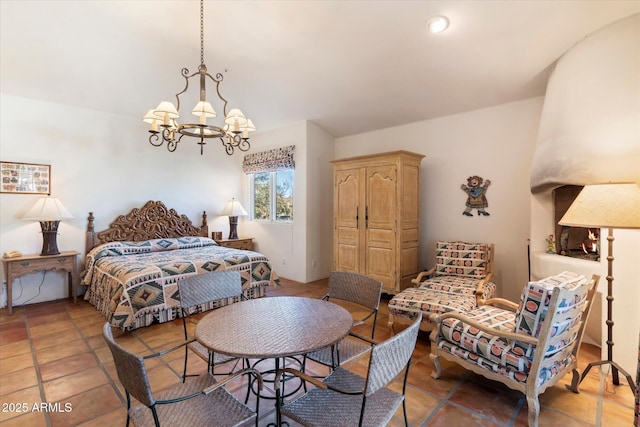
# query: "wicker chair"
[[357, 289], [528, 347], [196, 402], [197, 293], [346, 399]]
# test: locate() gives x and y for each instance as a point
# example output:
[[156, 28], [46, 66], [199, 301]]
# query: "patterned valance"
[[269, 161]]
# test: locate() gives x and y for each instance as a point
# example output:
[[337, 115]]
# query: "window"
[[271, 179], [272, 196]]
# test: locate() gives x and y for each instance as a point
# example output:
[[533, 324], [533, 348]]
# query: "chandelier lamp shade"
[[49, 211], [613, 205], [233, 210], [167, 126]]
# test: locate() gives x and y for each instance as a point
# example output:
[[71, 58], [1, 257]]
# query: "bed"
[[132, 268]]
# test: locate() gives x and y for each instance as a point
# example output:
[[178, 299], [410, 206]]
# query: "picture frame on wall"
[[25, 178]]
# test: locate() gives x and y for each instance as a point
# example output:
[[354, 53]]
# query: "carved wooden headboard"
[[152, 221]]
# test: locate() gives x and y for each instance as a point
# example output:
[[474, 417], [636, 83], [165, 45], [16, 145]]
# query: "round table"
[[273, 327]]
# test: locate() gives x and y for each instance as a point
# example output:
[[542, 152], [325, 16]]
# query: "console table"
[[28, 264]]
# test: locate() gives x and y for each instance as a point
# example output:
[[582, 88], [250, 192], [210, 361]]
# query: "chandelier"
[[234, 133]]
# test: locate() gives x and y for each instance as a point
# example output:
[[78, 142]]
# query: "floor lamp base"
[[615, 369]]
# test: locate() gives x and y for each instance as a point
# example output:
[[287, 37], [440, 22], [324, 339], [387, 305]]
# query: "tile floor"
[[54, 352]]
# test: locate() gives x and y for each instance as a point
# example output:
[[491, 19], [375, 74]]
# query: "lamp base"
[[49, 237], [615, 369], [233, 227]]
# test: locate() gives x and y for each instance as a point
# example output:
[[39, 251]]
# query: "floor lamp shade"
[[233, 210], [49, 211], [613, 205], [605, 205]]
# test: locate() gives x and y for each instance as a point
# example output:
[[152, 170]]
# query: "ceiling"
[[348, 66]]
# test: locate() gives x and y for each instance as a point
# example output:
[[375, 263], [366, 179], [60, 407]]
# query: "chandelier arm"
[[228, 147], [244, 144], [154, 138]]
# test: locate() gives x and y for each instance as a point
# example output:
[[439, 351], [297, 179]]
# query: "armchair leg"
[[575, 382], [534, 410], [436, 361]]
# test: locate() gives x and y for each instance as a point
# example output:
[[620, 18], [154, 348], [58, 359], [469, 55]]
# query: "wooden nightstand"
[[26, 264], [245, 243]]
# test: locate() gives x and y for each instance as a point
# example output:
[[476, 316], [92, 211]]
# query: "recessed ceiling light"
[[438, 24]]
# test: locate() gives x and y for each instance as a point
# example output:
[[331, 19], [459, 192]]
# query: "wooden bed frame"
[[152, 221]]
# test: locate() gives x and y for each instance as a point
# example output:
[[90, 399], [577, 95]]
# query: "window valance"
[[269, 161]]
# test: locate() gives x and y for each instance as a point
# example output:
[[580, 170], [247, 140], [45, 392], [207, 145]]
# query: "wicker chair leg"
[[186, 356]]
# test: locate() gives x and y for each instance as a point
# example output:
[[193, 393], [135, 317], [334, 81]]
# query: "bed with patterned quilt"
[[132, 269]]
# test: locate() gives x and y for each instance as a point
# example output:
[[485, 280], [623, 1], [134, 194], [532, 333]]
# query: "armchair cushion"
[[532, 309], [462, 259]]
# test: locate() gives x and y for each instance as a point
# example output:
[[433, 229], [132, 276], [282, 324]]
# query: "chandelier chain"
[[201, 31]]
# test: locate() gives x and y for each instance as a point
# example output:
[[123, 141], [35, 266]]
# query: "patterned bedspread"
[[134, 284]]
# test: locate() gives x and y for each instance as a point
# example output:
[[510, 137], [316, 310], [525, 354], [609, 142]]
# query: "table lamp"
[[48, 211], [613, 205], [233, 209]]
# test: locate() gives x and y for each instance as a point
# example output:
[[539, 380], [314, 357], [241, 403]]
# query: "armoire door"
[[380, 224], [349, 211]]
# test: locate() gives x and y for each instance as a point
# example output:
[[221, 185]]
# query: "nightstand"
[[27, 264], [245, 243]]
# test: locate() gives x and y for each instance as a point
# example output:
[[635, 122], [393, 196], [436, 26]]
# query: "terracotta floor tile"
[[11, 333], [116, 417], [55, 352], [67, 365], [15, 363], [581, 406], [20, 402], [47, 318], [614, 415], [64, 387], [18, 380], [51, 328], [56, 339], [22, 348], [86, 406], [485, 399], [451, 415], [31, 419]]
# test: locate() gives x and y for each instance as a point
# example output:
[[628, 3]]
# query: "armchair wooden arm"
[[438, 319], [421, 275], [505, 303]]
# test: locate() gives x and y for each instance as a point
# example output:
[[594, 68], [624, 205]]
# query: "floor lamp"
[[614, 205]]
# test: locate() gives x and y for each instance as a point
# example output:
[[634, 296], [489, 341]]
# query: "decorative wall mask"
[[476, 195]]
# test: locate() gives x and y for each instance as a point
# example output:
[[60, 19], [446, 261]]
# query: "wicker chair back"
[[389, 358], [131, 370], [355, 288], [207, 287]]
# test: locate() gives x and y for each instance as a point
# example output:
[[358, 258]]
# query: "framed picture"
[[25, 178]]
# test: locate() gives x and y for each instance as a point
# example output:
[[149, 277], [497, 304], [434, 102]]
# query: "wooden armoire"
[[376, 215]]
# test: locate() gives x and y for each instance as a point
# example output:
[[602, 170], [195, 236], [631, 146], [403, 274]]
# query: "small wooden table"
[[27, 264], [244, 243]]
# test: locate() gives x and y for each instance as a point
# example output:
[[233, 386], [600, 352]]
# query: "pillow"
[[534, 303], [462, 259]]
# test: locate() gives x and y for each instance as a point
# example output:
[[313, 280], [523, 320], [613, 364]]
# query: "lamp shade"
[[613, 205], [47, 209], [234, 208]]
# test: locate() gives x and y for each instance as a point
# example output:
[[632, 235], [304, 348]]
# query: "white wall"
[[101, 163], [299, 250], [495, 143]]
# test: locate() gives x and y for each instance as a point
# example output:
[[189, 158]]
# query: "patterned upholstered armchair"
[[527, 346], [460, 281]]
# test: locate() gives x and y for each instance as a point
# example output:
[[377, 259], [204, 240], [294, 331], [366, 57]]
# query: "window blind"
[[269, 161]]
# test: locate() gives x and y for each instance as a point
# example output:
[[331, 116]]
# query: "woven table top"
[[273, 327]]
